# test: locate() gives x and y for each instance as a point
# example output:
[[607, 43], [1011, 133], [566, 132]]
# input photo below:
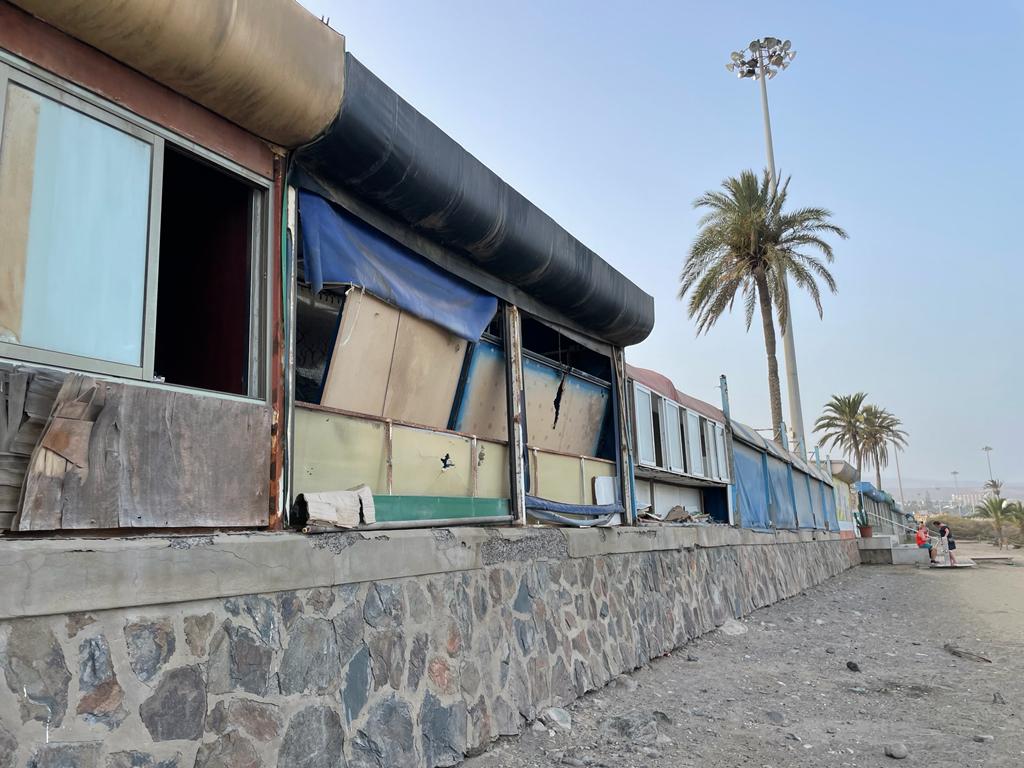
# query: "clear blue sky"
[[905, 119]]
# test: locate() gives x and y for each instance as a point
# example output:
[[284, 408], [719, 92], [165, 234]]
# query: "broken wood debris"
[[961, 653]]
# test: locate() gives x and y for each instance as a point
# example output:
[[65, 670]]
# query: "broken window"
[[723, 462], [83, 194], [209, 221]]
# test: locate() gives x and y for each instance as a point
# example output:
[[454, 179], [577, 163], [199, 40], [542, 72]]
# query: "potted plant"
[[862, 521]]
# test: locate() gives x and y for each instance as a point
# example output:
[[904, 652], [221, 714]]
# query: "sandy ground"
[[780, 694]]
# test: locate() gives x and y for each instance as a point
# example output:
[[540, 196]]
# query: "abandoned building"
[[246, 290]]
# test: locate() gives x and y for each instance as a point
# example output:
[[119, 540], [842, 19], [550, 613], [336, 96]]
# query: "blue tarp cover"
[[831, 516], [782, 494], [751, 487], [804, 504], [341, 249]]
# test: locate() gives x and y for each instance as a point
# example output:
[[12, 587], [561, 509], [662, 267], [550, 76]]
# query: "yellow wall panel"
[[335, 452]]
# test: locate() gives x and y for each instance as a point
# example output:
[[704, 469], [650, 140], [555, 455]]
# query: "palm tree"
[[995, 487], [995, 509], [746, 247], [880, 429], [1015, 513], [842, 425]]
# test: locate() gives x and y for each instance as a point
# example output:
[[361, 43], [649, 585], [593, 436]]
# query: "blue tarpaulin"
[[830, 507], [341, 249], [751, 486], [780, 477], [804, 505]]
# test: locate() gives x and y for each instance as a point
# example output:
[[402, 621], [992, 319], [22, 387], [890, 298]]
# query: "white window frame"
[[48, 85], [670, 415], [639, 392], [696, 464], [722, 451]]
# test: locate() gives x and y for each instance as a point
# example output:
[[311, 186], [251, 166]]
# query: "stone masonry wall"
[[404, 673]]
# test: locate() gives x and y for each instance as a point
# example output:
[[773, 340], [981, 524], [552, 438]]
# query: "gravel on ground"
[[787, 690]]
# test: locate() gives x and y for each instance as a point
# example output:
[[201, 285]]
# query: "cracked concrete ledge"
[[52, 576]]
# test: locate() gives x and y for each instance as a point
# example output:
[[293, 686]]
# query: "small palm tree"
[[880, 429], [842, 425], [746, 248], [998, 511], [1015, 513]]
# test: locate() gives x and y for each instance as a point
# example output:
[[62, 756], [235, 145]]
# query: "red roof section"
[[663, 385]]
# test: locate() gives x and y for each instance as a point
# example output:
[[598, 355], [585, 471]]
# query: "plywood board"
[[575, 425], [425, 371], [155, 458], [430, 463], [492, 470], [483, 410], [334, 452], [358, 372]]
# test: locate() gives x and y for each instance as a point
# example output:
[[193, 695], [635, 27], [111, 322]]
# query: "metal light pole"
[[988, 456], [956, 484], [899, 476], [767, 57]]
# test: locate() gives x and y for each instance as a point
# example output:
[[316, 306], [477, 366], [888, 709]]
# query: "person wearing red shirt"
[[923, 541]]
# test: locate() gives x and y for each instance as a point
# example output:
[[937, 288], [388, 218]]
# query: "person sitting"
[[924, 541]]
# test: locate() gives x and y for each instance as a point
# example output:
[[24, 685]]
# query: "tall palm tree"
[[746, 247], [842, 426], [995, 509], [880, 429], [1015, 513], [995, 487]]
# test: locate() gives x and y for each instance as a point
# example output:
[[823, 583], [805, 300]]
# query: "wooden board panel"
[[358, 372], [483, 408], [425, 373], [335, 452], [154, 458], [575, 426]]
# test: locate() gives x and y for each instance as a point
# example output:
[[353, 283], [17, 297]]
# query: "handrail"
[[890, 522]]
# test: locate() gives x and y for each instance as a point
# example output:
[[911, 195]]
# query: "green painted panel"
[[393, 509]]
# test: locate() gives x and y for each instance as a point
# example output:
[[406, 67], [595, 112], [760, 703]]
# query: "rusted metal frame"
[[290, 276], [517, 428], [389, 448], [623, 454], [473, 466]]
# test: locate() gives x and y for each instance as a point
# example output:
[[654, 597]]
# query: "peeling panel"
[[425, 373], [574, 426], [357, 374], [119, 455], [667, 496], [483, 408]]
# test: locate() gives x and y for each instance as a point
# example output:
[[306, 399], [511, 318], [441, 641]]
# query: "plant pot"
[[865, 531]]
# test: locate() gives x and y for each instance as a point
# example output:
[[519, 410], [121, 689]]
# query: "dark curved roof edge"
[[387, 153]]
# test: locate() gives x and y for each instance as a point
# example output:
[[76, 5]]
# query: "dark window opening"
[[659, 453], [682, 439], [204, 297], [548, 343], [316, 328], [704, 447]]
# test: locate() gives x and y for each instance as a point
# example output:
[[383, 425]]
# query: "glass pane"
[[693, 435], [644, 426], [74, 218], [723, 464], [673, 438]]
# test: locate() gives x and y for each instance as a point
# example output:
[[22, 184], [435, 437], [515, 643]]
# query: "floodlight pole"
[[796, 416]]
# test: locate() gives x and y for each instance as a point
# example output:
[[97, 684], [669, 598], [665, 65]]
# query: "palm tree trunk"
[[768, 324], [878, 472]]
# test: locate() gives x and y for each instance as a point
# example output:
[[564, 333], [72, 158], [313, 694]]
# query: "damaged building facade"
[[245, 289]]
